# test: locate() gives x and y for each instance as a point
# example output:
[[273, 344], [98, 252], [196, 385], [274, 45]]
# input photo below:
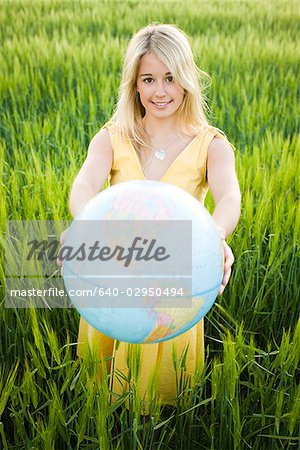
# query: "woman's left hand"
[[228, 261]]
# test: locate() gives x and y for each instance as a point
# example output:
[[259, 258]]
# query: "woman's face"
[[160, 95]]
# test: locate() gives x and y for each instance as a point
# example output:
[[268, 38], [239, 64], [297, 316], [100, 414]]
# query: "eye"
[[170, 79], [147, 80]]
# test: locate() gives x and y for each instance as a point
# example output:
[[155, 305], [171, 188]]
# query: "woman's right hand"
[[62, 241]]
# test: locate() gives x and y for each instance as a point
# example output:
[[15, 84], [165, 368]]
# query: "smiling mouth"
[[162, 104]]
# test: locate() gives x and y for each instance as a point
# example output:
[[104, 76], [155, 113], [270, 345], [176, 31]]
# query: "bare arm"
[[225, 190], [224, 185], [93, 173]]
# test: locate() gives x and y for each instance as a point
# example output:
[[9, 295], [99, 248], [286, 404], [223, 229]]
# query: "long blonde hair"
[[169, 44]]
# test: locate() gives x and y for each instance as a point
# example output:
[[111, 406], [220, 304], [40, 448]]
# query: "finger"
[[222, 287], [225, 281], [62, 241], [228, 264], [63, 236], [229, 259], [226, 277]]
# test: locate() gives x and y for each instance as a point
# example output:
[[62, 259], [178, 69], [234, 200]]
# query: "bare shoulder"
[[101, 142], [219, 144], [220, 148]]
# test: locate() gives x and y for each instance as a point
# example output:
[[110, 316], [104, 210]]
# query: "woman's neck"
[[160, 129]]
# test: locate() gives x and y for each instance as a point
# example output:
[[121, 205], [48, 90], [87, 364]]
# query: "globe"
[[162, 310]]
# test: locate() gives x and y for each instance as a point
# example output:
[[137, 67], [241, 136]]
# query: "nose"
[[160, 89]]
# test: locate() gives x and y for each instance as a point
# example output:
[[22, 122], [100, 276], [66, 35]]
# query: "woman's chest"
[[154, 168], [156, 163], [182, 164]]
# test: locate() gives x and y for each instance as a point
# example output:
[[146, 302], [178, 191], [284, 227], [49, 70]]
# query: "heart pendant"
[[160, 154]]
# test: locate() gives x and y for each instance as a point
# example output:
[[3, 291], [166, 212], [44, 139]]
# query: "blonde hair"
[[170, 45]]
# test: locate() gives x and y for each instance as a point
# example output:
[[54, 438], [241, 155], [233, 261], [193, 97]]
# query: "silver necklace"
[[160, 153]]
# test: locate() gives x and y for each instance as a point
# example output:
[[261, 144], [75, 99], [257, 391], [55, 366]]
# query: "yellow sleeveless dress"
[[188, 171]]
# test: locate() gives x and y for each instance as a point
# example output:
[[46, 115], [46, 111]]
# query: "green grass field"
[[60, 70]]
